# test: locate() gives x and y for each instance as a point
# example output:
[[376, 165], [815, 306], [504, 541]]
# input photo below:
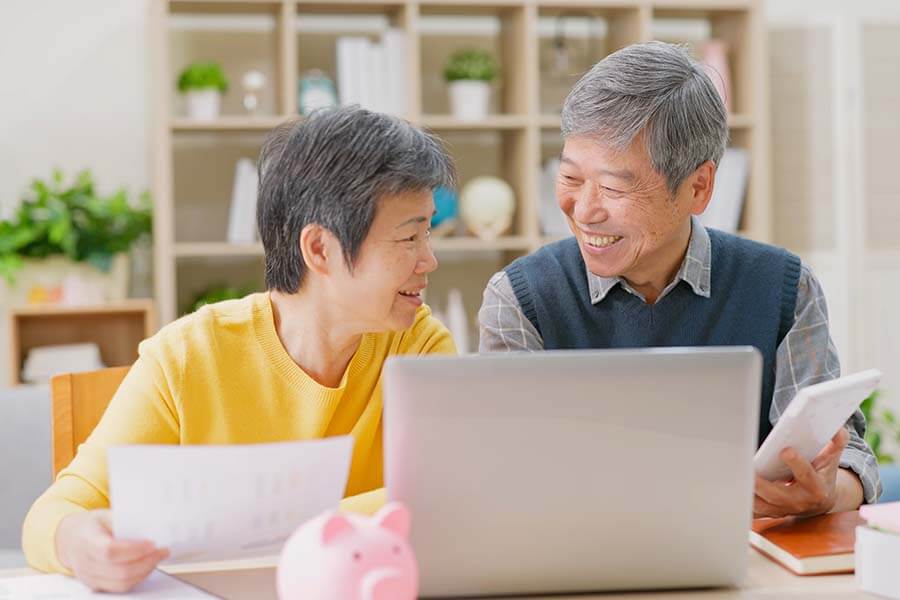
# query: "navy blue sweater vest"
[[752, 300]]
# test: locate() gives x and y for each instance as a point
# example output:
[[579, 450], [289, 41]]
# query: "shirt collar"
[[694, 270]]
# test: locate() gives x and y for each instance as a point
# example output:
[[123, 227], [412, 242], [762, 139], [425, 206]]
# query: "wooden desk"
[[765, 581]]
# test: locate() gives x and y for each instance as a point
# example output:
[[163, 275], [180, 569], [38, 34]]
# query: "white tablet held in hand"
[[812, 418]]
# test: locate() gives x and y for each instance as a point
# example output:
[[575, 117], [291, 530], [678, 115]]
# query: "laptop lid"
[[572, 471]]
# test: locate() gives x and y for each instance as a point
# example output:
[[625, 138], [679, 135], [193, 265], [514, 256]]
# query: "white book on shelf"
[[396, 83], [347, 70], [371, 67], [724, 209], [242, 216]]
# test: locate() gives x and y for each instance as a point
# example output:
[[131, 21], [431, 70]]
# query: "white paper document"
[[210, 503], [158, 586]]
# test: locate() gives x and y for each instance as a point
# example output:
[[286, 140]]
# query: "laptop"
[[574, 471]]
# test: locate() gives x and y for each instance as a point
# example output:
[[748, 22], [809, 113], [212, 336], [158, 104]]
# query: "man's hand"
[[85, 544], [816, 488]]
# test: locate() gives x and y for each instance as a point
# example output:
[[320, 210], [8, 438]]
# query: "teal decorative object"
[[315, 91], [446, 206]]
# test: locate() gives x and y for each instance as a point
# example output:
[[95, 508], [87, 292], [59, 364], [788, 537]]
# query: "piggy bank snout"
[[386, 583]]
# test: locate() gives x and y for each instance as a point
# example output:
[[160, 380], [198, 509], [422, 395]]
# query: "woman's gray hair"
[[658, 91], [333, 168]]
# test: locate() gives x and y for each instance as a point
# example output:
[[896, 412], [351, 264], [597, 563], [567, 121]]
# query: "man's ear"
[[701, 184], [317, 246]]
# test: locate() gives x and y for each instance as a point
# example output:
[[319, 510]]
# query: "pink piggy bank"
[[338, 556]]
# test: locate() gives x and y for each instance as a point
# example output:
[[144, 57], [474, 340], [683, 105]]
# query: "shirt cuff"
[[866, 468]]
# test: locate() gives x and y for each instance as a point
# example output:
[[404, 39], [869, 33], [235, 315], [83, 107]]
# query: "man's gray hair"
[[657, 90]]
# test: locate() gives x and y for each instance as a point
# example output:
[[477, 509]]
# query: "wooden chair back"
[[78, 400]]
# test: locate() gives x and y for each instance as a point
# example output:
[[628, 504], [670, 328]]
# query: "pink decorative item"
[[714, 56], [338, 556], [882, 516]]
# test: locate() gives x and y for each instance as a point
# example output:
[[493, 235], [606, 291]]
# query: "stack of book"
[[242, 215], [372, 74], [878, 550], [810, 546]]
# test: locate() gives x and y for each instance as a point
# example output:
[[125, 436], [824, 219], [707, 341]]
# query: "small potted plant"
[[66, 242], [470, 73], [203, 83]]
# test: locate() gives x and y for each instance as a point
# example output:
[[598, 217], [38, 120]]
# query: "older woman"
[[345, 204], [644, 131]]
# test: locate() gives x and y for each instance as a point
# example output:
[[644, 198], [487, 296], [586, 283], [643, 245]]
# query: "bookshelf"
[[194, 162], [116, 328]]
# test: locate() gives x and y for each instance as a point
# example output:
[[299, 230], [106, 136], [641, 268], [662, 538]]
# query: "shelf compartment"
[[500, 29], [494, 122], [232, 123], [574, 36]]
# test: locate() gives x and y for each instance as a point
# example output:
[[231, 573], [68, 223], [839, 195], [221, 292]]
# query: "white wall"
[[74, 90], [848, 53]]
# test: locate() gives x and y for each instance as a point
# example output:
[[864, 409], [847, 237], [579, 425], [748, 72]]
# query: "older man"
[[644, 130]]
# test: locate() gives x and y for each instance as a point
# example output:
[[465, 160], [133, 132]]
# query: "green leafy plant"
[[471, 64], [220, 293], [882, 425], [71, 220], [202, 76]]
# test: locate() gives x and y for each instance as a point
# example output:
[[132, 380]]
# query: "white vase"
[[203, 105], [469, 99]]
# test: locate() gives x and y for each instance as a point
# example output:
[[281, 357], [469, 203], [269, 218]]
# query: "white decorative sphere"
[[486, 206], [253, 80]]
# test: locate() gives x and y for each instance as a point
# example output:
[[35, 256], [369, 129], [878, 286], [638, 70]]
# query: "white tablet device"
[[812, 418]]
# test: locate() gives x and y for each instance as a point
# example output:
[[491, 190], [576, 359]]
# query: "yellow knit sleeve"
[[142, 411], [426, 336]]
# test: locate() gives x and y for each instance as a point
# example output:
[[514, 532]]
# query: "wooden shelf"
[[740, 121], [736, 121], [440, 244], [117, 329], [466, 6], [215, 249], [349, 6], [235, 123], [522, 101], [699, 8], [550, 121], [474, 244], [493, 122], [224, 6]]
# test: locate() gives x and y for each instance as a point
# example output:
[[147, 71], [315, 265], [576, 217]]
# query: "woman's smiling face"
[[384, 288]]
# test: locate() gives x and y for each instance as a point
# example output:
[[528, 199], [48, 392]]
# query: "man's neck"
[[663, 266]]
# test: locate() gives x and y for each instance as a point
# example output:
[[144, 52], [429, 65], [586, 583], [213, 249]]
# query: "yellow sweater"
[[222, 376]]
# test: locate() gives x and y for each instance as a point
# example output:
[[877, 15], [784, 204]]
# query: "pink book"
[[882, 516]]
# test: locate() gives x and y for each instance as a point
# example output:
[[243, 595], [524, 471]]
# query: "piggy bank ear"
[[335, 526], [394, 517]]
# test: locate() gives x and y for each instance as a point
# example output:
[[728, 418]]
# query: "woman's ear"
[[316, 244]]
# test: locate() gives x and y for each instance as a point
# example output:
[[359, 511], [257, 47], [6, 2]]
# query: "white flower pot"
[[469, 99], [59, 280], [203, 105]]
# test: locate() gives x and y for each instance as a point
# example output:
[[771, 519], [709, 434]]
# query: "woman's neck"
[[319, 342]]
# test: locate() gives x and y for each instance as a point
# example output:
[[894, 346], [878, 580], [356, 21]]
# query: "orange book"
[[809, 546]]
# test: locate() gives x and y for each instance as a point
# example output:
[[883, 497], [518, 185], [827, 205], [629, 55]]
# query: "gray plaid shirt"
[[806, 355]]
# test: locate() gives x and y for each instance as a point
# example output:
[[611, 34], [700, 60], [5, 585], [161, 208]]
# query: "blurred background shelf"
[[285, 39], [117, 329], [497, 122], [233, 123], [213, 249]]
